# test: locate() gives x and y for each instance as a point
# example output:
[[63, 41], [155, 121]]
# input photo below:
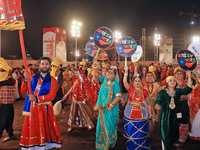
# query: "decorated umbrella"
[[103, 39], [186, 60], [126, 47], [12, 19]]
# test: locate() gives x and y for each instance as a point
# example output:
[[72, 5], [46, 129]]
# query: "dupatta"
[[82, 87], [106, 93]]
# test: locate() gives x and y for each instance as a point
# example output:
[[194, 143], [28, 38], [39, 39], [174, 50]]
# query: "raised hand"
[[110, 108], [94, 62], [126, 68], [188, 73], [26, 75], [32, 97], [157, 107]]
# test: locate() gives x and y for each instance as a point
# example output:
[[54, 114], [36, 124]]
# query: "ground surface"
[[83, 139]]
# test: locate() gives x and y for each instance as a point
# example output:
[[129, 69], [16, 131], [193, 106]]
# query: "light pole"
[[157, 39], [196, 39], [91, 38], [77, 53], [117, 36], [76, 33]]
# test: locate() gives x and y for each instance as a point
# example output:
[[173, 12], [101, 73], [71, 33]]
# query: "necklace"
[[137, 93], [171, 94], [109, 82], [150, 88], [180, 82]]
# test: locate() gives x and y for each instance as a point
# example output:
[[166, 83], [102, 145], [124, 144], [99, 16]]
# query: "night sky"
[[127, 16]]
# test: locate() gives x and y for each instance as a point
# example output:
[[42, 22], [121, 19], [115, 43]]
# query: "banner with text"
[[166, 50], [59, 43]]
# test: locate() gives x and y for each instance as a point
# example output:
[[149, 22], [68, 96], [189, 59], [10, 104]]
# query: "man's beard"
[[45, 70]]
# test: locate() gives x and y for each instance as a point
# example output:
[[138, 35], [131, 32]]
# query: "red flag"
[[51, 46], [12, 15]]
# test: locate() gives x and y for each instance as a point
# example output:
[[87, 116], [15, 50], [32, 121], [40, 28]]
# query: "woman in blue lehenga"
[[107, 106], [136, 122]]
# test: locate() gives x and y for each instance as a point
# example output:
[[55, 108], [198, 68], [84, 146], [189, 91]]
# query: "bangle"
[[126, 74], [111, 105], [189, 83]]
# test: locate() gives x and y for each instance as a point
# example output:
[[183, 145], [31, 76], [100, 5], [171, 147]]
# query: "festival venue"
[[99, 75]]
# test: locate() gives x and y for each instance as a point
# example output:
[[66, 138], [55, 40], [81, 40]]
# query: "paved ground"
[[83, 139]]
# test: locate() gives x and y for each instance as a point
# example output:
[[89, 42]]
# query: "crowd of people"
[[162, 93]]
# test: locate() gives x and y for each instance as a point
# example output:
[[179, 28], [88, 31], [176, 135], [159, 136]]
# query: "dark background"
[[127, 16]]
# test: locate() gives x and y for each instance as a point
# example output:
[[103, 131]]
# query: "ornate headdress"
[[4, 66], [137, 76], [55, 64]]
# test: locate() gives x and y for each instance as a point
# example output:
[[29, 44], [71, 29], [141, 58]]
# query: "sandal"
[[69, 129], [8, 139]]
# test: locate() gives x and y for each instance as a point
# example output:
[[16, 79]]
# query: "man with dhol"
[[40, 129]]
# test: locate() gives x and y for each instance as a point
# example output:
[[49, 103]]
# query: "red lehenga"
[[195, 115], [96, 88], [67, 83], [153, 89], [82, 113]]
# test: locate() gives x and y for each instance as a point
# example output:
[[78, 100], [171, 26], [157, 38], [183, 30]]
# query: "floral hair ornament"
[[137, 76], [170, 77]]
